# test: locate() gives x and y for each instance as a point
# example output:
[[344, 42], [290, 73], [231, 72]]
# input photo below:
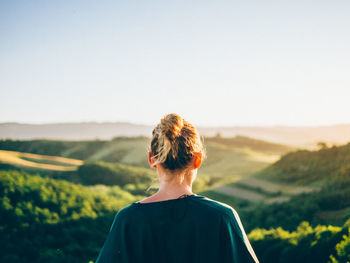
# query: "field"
[[253, 189], [36, 161]]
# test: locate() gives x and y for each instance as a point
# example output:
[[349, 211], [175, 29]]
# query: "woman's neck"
[[170, 190], [175, 183]]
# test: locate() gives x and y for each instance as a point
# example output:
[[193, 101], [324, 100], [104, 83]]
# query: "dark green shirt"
[[193, 229]]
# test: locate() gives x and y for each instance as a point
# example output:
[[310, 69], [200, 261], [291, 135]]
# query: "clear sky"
[[215, 62]]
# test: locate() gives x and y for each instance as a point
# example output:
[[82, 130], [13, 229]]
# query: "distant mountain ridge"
[[73, 131], [293, 135]]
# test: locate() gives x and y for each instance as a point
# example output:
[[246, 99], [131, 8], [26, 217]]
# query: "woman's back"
[[191, 229], [167, 229]]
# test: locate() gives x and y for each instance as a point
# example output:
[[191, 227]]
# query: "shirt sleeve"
[[110, 250], [235, 245]]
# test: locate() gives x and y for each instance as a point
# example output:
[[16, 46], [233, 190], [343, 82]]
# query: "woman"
[[174, 224]]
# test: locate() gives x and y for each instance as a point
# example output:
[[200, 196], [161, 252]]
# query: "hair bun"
[[171, 125], [174, 142]]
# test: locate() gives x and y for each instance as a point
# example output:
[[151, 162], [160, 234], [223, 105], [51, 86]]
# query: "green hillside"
[[302, 185], [310, 167]]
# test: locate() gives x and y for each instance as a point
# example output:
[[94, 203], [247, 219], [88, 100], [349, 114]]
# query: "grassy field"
[[241, 193], [273, 187], [253, 189], [36, 161], [131, 151]]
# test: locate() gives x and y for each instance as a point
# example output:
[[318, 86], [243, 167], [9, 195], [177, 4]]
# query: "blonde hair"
[[174, 142]]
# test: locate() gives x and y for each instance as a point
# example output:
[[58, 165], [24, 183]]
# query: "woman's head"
[[175, 143]]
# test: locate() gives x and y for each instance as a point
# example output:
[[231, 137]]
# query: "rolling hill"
[[302, 185], [228, 158]]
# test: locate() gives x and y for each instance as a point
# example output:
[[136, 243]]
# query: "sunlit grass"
[[30, 160]]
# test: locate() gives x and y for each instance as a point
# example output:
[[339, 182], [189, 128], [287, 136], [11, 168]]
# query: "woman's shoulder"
[[125, 211], [198, 203], [216, 206]]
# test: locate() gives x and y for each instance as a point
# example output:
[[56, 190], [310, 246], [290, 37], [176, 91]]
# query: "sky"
[[216, 63]]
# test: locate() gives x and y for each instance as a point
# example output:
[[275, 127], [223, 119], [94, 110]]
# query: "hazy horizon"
[[218, 64], [152, 124]]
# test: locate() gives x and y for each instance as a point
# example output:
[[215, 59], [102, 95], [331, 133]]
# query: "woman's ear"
[[197, 160], [151, 160]]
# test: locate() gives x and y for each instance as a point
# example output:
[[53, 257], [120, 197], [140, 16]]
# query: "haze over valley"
[[298, 136]]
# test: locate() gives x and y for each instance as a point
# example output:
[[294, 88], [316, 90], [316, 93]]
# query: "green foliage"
[[342, 250], [47, 220], [305, 244]]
